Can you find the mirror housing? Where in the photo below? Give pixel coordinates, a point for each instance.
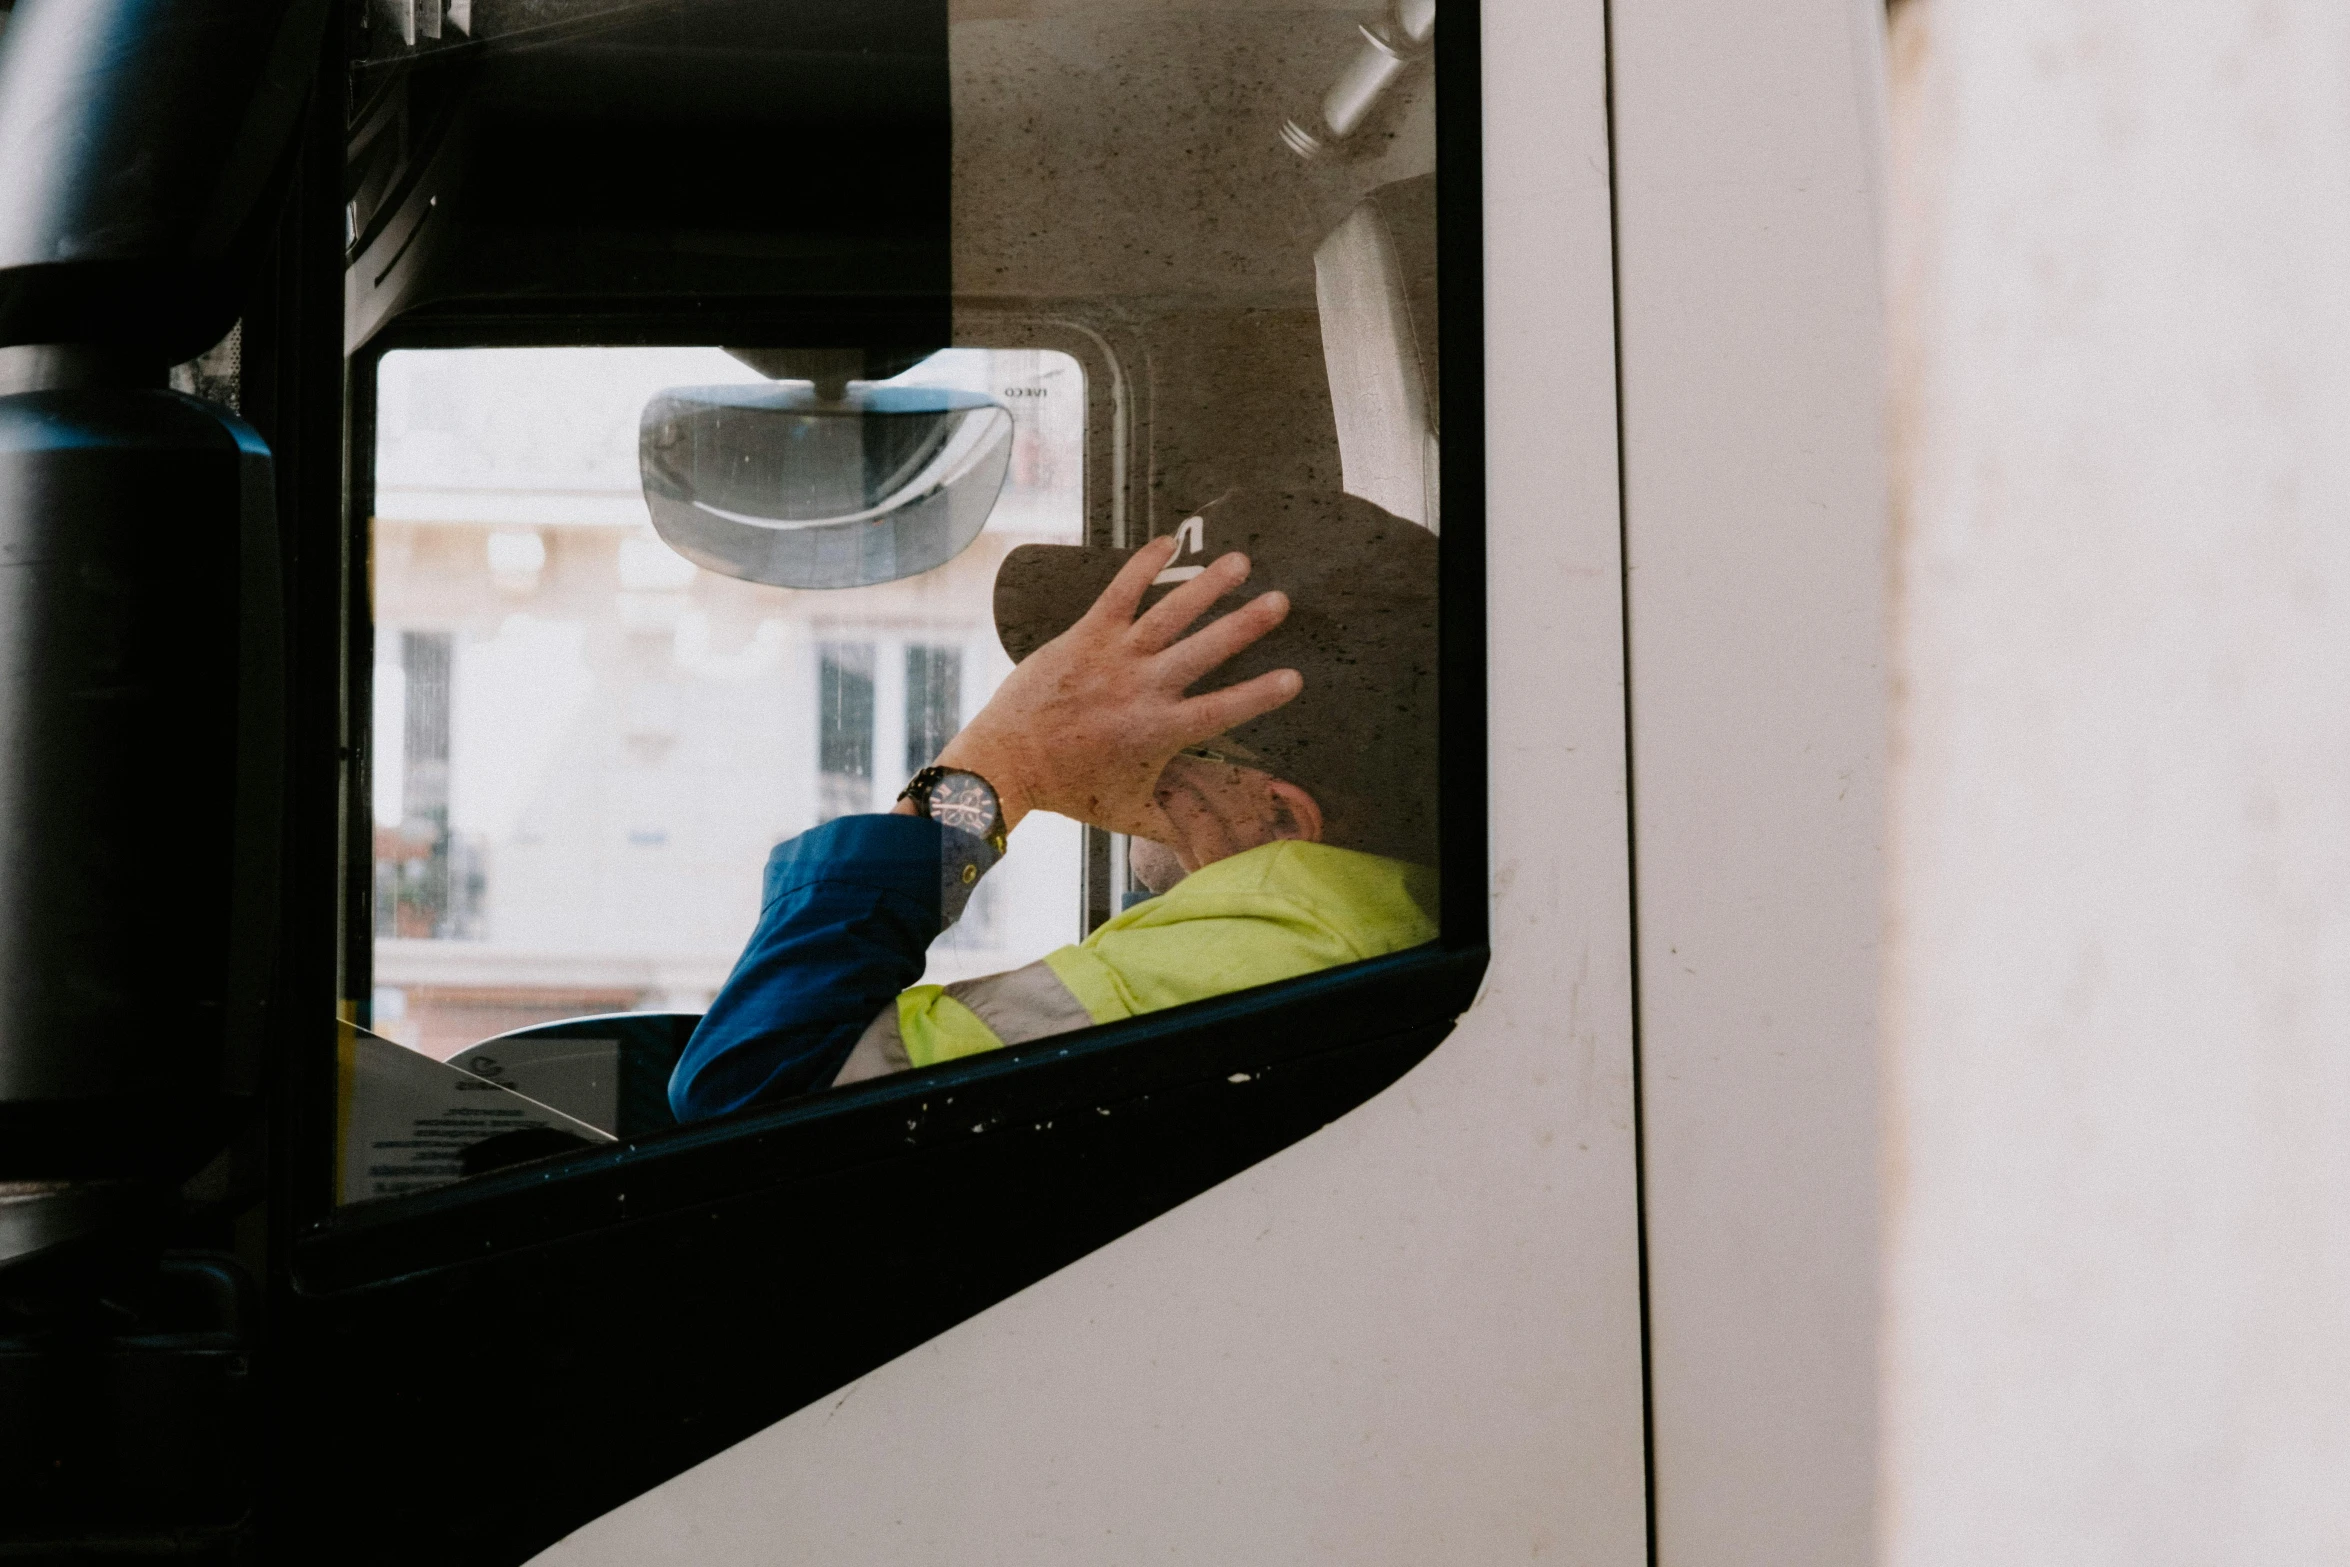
(784, 485)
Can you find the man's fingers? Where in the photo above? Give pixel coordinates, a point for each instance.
(1164, 621)
(1204, 717)
(1124, 594)
(1204, 649)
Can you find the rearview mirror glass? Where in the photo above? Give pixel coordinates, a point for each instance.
(783, 485)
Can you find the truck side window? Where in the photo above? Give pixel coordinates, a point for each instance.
(662, 631)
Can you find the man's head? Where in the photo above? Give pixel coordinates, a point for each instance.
(1216, 808)
(1352, 761)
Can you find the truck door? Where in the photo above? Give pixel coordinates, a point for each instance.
(621, 416)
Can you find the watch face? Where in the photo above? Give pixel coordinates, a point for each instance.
(964, 800)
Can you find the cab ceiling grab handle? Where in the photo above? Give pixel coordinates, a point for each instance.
(1391, 46)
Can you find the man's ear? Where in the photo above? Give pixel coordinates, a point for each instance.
(1296, 816)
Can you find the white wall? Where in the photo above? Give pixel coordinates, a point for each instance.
(1748, 155)
(2119, 1310)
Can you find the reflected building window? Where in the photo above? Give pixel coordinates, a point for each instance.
(934, 702)
(425, 657)
(844, 729)
(428, 882)
(583, 749)
(934, 712)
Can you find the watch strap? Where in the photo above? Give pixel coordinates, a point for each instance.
(962, 859)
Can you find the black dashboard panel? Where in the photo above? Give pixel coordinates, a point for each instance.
(585, 1328)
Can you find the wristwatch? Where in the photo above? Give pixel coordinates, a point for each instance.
(965, 801)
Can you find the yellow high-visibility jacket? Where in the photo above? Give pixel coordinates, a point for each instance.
(1270, 913)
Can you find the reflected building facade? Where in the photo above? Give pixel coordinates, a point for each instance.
(584, 746)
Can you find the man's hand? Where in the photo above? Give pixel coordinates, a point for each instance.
(1085, 724)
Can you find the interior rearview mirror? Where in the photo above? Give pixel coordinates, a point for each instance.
(786, 485)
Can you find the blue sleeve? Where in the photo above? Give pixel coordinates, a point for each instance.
(850, 909)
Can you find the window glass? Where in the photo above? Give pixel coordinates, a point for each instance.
(650, 620)
(585, 746)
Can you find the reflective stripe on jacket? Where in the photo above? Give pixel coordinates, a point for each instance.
(1270, 913)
